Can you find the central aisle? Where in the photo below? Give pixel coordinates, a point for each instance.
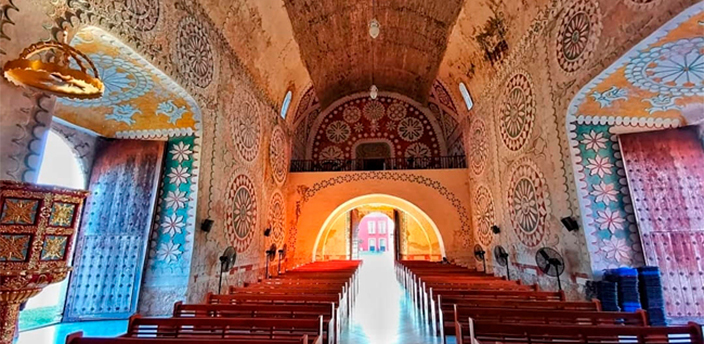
(383, 313)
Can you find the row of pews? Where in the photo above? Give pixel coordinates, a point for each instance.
(482, 308)
(307, 305)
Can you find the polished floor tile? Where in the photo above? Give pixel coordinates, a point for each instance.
(383, 313)
(56, 334)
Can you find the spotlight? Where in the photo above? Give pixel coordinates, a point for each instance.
(495, 229)
(207, 225)
(570, 223)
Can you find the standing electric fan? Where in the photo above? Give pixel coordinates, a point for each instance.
(479, 254)
(282, 255)
(501, 257)
(227, 262)
(271, 255)
(550, 263)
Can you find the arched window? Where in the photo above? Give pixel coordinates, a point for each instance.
(60, 165)
(285, 105)
(467, 98)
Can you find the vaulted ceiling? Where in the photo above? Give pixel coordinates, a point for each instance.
(342, 58)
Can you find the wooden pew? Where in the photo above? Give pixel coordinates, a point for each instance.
(490, 332)
(206, 329)
(285, 311)
(543, 317)
(77, 338)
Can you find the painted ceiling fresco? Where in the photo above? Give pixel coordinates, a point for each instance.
(139, 99)
(659, 78)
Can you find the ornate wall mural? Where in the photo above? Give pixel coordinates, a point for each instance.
(410, 132)
(138, 97)
(241, 210)
(278, 157)
(171, 41)
(566, 44)
(649, 88)
(406, 126)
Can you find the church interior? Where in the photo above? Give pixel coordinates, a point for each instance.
(351, 171)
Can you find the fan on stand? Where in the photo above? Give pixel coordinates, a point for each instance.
(501, 257)
(282, 255)
(227, 262)
(479, 254)
(271, 254)
(550, 263)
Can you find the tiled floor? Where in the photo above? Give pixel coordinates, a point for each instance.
(383, 314)
(56, 334)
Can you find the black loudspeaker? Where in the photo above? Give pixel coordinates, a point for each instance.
(570, 223)
(207, 225)
(495, 229)
(267, 232)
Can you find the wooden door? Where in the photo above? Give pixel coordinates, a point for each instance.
(665, 172)
(112, 241)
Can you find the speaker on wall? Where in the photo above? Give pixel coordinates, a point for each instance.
(267, 232)
(570, 223)
(495, 229)
(207, 225)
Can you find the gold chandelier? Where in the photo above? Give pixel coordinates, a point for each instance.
(47, 67)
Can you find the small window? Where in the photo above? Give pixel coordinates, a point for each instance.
(371, 227)
(372, 244)
(467, 98)
(382, 245)
(285, 105)
(382, 227)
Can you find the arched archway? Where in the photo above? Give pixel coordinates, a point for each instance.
(419, 221)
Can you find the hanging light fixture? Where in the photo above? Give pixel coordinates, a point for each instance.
(55, 68)
(374, 30)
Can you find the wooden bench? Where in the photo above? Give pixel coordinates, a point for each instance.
(286, 311)
(491, 332)
(445, 307)
(227, 328)
(77, 338)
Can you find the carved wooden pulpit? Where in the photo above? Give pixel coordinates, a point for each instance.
(37, 227)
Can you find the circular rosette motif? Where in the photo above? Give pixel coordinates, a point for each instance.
(410, 129)
(241, 213)
(246, 130)
(528, 203)
(277, 154)
(331, 153)
(338, 131)
(351, 114)
(374, 110)
(484, 214)
(675, 68)
(420, 153)
(194, 54)
(142, 14)
(277, 218)
(517, 111)
(123, 81)
(578, 35)
(478, 147)
(397, 111)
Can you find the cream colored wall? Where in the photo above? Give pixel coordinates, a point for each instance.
(419, 239)
(441, 194)
(334, 240)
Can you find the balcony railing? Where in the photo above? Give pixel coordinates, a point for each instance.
(441, 162)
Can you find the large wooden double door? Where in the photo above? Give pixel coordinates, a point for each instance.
(665, 172)
(113, 238)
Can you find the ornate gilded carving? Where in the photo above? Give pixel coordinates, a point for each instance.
(36, 227)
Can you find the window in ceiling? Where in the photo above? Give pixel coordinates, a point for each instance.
(467, 98)
(285, 105)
